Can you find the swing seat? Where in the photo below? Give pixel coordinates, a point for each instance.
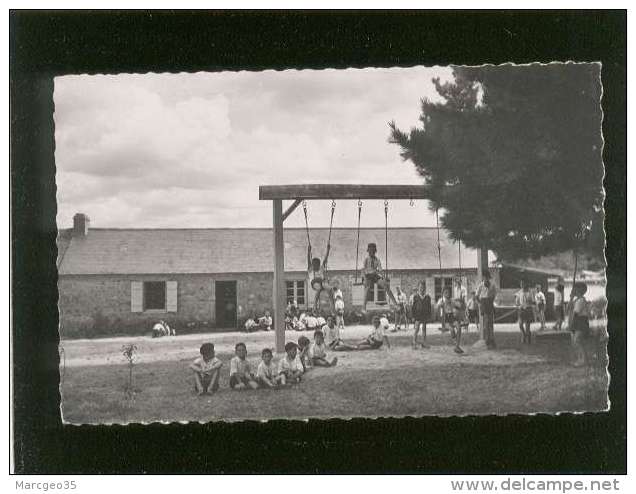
(317, 283)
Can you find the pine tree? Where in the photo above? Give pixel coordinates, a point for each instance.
(514, 157)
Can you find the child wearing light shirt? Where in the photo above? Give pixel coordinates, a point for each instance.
(318, 351)
(525, 302)
(290, 370)
(559, 313)
(376, 339)
(539, 298)
(207, 369)
(267, 374)
(241, 375)
(339, 306)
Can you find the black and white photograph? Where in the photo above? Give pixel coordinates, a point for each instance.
(338, 243)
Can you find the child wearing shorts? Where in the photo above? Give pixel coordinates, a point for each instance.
(339, 306)
(241, 375)
(266, 373)
(318, 351)
(207, 369)
(290, 370)
(376, 339)
(524, 302)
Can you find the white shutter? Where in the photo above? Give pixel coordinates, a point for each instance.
(171, 296)
(357, 295)
(430, 287)
(136, 296)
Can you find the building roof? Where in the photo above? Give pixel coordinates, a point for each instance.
(245, 250)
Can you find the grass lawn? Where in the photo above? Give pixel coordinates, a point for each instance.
(396, 382)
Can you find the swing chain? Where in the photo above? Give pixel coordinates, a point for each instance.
(333, 204)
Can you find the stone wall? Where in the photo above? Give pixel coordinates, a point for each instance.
(99, 305)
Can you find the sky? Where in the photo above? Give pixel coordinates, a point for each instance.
(190, 150)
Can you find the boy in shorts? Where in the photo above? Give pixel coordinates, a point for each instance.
(376, 339)
(290, 370)
(318, 351)
(266, 373)
(241, 375)
(207, 369)
(524, 302)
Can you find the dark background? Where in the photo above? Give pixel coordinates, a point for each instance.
(46, 44)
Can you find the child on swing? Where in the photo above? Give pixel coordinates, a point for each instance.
(372, 269)
(317, 274)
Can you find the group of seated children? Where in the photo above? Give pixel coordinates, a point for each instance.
(299, 358)
(311, 319)
(254, 323)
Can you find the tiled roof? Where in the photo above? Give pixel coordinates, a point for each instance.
(162, 251)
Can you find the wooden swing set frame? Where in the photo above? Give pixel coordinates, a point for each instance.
(301, 192)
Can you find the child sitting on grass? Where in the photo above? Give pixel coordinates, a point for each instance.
(241, 375)
(303, 352)
(265, 322)
(266, 373)
(376, 339)
(290, 370)
(318, 351)
(207, 369)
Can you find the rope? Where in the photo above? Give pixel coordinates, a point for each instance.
(333, 210)
(306, 223)
(358, 239)
(386, 239)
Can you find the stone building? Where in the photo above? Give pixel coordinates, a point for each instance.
(121, 281)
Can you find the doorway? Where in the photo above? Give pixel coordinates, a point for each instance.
(225, 305)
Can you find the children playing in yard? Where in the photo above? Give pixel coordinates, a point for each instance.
(266, 373)
(241, 375)
(207, 369)
(290, 369)
(421, 314)
(318, 351)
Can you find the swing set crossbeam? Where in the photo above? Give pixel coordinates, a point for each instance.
(342, 191)
(301, 192)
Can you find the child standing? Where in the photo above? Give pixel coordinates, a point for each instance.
(539, 299)
(401, 311)
(207, 369)
(524, 303)
(339, 306)
(241, 375)
(318, 351)
(451, 314)
(472, 310)
(290, 369)
(559, 313)
(266, 372)
(486, 293)
(421, 313)
(580, 324)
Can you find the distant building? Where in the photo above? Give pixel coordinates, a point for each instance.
(114, 281)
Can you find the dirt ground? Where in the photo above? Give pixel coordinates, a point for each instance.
(399, 381)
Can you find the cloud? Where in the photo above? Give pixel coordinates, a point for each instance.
(190, 150)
